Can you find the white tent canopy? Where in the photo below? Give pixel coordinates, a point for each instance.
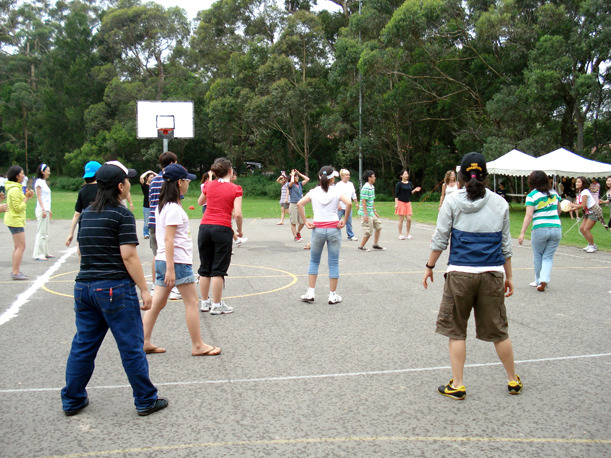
(561, 162)
(515, 163)
(565, 163)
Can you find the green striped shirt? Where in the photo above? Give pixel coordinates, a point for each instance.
(368, 193)
(546, 208)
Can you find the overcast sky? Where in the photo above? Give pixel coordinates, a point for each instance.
(194, 6)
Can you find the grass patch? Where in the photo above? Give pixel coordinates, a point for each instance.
(259, 207)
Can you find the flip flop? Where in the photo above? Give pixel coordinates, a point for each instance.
(154, 350)
(214, 351)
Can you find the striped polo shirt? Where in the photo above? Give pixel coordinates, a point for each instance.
(545, 208)
(154, 190)
(100, 237)
(368, 193)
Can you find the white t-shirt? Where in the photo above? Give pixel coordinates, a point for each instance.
(586, 192)
(324, 204)
(346, 189)
(45, 195)
(172, 214)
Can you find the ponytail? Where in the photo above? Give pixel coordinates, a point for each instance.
(326, 174)
(475, 183)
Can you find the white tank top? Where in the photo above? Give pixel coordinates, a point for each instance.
(451, 189)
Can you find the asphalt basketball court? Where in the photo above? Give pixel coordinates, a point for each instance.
(353, 379)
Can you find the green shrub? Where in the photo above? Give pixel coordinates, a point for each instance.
(66, 183)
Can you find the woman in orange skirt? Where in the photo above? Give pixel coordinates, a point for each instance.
(403, 203)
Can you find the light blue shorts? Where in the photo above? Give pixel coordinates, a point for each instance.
(184, 273)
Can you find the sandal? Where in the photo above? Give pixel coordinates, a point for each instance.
(378, 247)
(214, 351)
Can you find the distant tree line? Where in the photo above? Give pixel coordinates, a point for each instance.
(280, 85)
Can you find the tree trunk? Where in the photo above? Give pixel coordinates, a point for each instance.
(161, 76)
(579, 122)
(25, 135)
(306, 148)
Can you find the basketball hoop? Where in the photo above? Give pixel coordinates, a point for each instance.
(165, 133)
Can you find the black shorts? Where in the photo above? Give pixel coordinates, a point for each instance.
(214, 243)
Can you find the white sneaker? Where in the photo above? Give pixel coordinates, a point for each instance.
(585, 248)
(220, 309)
(354, 239)
(401, 237)
(204, 305)
(175, 295)
(409, 237)
(534, 284)
(334, 298)
(308, 297)
(592, 249)
(240, 240)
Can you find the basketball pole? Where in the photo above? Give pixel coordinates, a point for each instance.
(165, 145)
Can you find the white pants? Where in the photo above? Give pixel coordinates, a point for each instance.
(40, 247)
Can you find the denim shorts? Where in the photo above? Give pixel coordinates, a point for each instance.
(16, 230)
(184, 273)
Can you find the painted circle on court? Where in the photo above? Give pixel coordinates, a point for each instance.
(278, 273)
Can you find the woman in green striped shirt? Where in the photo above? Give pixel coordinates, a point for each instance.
(542, 209)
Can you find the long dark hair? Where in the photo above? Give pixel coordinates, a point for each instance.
(170, 192)
(474, 184)
(13, 172)
(323, 177)
(538, 180)
(106, 197)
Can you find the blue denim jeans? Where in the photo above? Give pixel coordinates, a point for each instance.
(146, 211)
(333, 237)
(544, 240)
(97, 310)
(349, 232)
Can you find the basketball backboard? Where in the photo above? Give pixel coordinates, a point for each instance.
(154, 115)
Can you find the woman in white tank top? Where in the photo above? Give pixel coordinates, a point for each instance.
(449, 186)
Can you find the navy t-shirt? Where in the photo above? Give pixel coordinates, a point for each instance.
(100, 237)
(403, 191)
(86, 195)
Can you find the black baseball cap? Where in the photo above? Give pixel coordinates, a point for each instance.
(112, 173)
(175, 172)
(473, 164)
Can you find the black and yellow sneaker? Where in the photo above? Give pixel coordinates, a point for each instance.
(451, 392)
(515, 387)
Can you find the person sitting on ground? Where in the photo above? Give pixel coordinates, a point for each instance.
(477, 222)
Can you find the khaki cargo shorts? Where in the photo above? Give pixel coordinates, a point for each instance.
(373, 224)
(484, 293)
(294, 216)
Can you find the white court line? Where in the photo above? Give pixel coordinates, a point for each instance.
(24, 297)
(311, 377)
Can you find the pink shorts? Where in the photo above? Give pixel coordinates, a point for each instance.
(404, 208)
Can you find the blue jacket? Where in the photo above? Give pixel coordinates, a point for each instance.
(478, 230)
